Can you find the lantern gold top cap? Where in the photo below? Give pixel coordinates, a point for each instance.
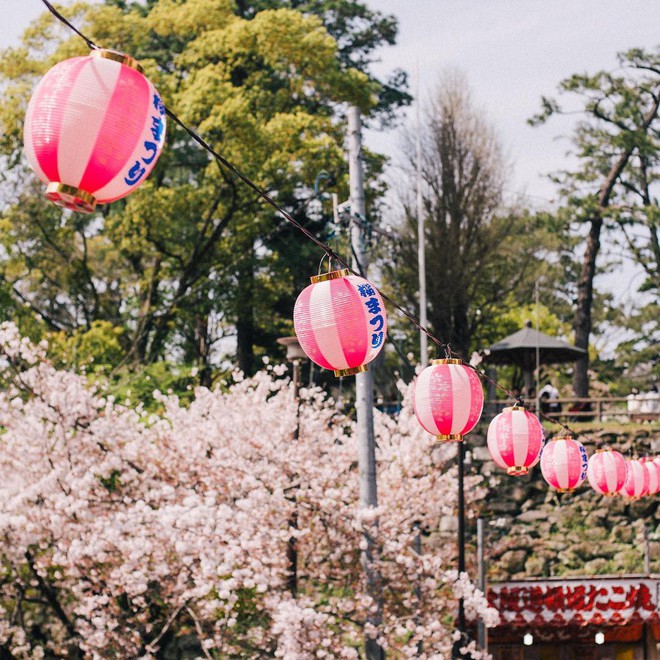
(117, 56)
(447, 361)
(332, 275)
(514, 408)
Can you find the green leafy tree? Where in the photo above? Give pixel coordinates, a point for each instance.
(193, 256)
(617, 145)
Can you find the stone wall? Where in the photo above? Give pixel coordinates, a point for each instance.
(534, 531)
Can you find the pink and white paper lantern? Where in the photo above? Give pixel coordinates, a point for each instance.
(607, 471)
(653, 469)
(448, 399)
(515, 440)
(94, 129)
(564, 463)
(637, 480)
(340, 322)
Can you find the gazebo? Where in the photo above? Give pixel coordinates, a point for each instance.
(528, 349)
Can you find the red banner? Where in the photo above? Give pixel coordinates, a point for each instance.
(554, 603)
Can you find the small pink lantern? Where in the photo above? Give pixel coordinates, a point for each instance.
(340, 322)
(448, 399)
(607, 471)
(637, 480)
(94, 129)
(515, 440)
(564, 463)
(653, 469)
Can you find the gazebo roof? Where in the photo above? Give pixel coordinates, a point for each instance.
(520, 348)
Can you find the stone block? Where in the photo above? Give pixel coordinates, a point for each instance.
(513, 561)
(531, 516)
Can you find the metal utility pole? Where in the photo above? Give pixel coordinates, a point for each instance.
(421, 241)
(364, 389)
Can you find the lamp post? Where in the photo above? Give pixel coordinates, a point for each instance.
(295, 355)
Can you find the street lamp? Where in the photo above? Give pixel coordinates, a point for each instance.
(456, 653)
(295, 355)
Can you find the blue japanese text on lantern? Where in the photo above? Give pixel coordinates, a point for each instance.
(373, 306)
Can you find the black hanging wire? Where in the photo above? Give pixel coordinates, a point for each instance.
(329, 252)
(70, 25)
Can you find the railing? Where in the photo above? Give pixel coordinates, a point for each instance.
(584, 409)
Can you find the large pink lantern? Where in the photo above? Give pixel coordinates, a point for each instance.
(564, 463)
(448, 399)
(515, 440)
(637, 480)
(94, 129)
(340, 322)
(607, 471)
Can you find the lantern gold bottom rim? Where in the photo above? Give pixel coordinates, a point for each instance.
(70, 197)
(340, 373)
(452, 437)
(564, 490)
(517, 470)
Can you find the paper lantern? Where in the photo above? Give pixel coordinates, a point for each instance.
(94, 129)
(607, 471)
(340, 322)
(564, 463)
(637, 480)
(515, 440)
(653, 469)
(448, 399)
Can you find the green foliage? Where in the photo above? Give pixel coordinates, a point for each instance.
(95, 350)
(192, 256)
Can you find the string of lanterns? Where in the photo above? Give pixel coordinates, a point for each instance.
(94, 129)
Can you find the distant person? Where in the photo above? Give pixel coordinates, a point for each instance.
(634, 401)
(544, 402)
(552, 397)
(650, 402)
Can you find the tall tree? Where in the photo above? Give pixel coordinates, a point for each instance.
(617, 143)
(477, 252)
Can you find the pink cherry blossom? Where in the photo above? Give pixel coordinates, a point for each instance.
(124, 529)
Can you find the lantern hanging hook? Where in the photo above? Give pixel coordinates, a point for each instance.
(327, 256)
(447, 351)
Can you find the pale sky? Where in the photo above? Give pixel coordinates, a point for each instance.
(513, 52)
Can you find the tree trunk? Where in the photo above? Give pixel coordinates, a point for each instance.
(582, 322)
(203, 347)
(245, 330)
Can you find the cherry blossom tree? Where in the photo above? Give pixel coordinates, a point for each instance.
(228, 525)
